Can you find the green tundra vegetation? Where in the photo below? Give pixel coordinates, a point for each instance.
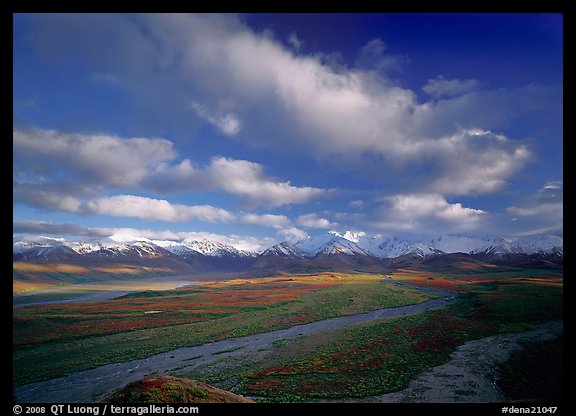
(55, 340)
(368, 359)
(383, 356)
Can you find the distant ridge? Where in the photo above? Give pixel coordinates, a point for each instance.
(332, 251)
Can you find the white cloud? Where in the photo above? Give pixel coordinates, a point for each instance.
(425, 212)
(266, 220)
(247, 179)
(547, 209)
(47, 196)
(101, 158)
(145, 163)
(357, 204)
(227, 123)
(51, 228)
(431, 205)
(314, 221)
(343, 112)
(182, 176)
(288, 100)
(548, 203)
(292, 234)
(294, 41)
(473, 161)
(256, 90)
(440, 87)
(145, 208)
(373, 55)
(155, 209)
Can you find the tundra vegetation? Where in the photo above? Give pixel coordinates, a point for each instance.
(53, 340)
(368, 359)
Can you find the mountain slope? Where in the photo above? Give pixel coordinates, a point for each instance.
(125, 255)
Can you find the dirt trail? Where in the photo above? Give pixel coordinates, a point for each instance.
(89, 385)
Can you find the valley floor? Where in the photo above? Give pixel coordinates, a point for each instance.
(99, 291)
(422, 337)
(90, 385)
(469, 376)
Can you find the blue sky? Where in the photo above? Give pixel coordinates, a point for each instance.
(254, 129)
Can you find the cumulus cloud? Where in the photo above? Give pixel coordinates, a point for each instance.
(314, 221)
(48, 196)
(305, 102)
(57, 229)
(292, 234)
(473, 161)
(141, 163)
(227, 123)
(373, 55)
(357, 204)
(155, 209)
(257, 91)
(440, 87)
(419, 206)
(286, 231)
(547, 202)
(431, 212)
(97, 158)
(294, 41)
(266, 220)
(247, 179)
(489, 109)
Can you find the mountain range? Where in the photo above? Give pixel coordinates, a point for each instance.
(350, 250)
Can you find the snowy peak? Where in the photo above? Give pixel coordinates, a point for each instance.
(499, 246)
(177, 249)
(540, 243)
(390, 247)
(341, 245)
(458, 244)
(352, 244)
(385, 247)
(285, 249)
(331, 244)
(211, 248)
(83, 247)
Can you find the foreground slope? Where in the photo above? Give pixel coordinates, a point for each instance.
(168, 389)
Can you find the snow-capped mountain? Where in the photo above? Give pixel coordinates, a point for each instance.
(176, 248)
(82, 247)
(330, 244)
(499, 246)
(332, 248)
(359, 243)
(460, 244)
(46, 250)
(285, 249)
(211, 248)
(386, 247)
(39, 244)
(540, 243)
